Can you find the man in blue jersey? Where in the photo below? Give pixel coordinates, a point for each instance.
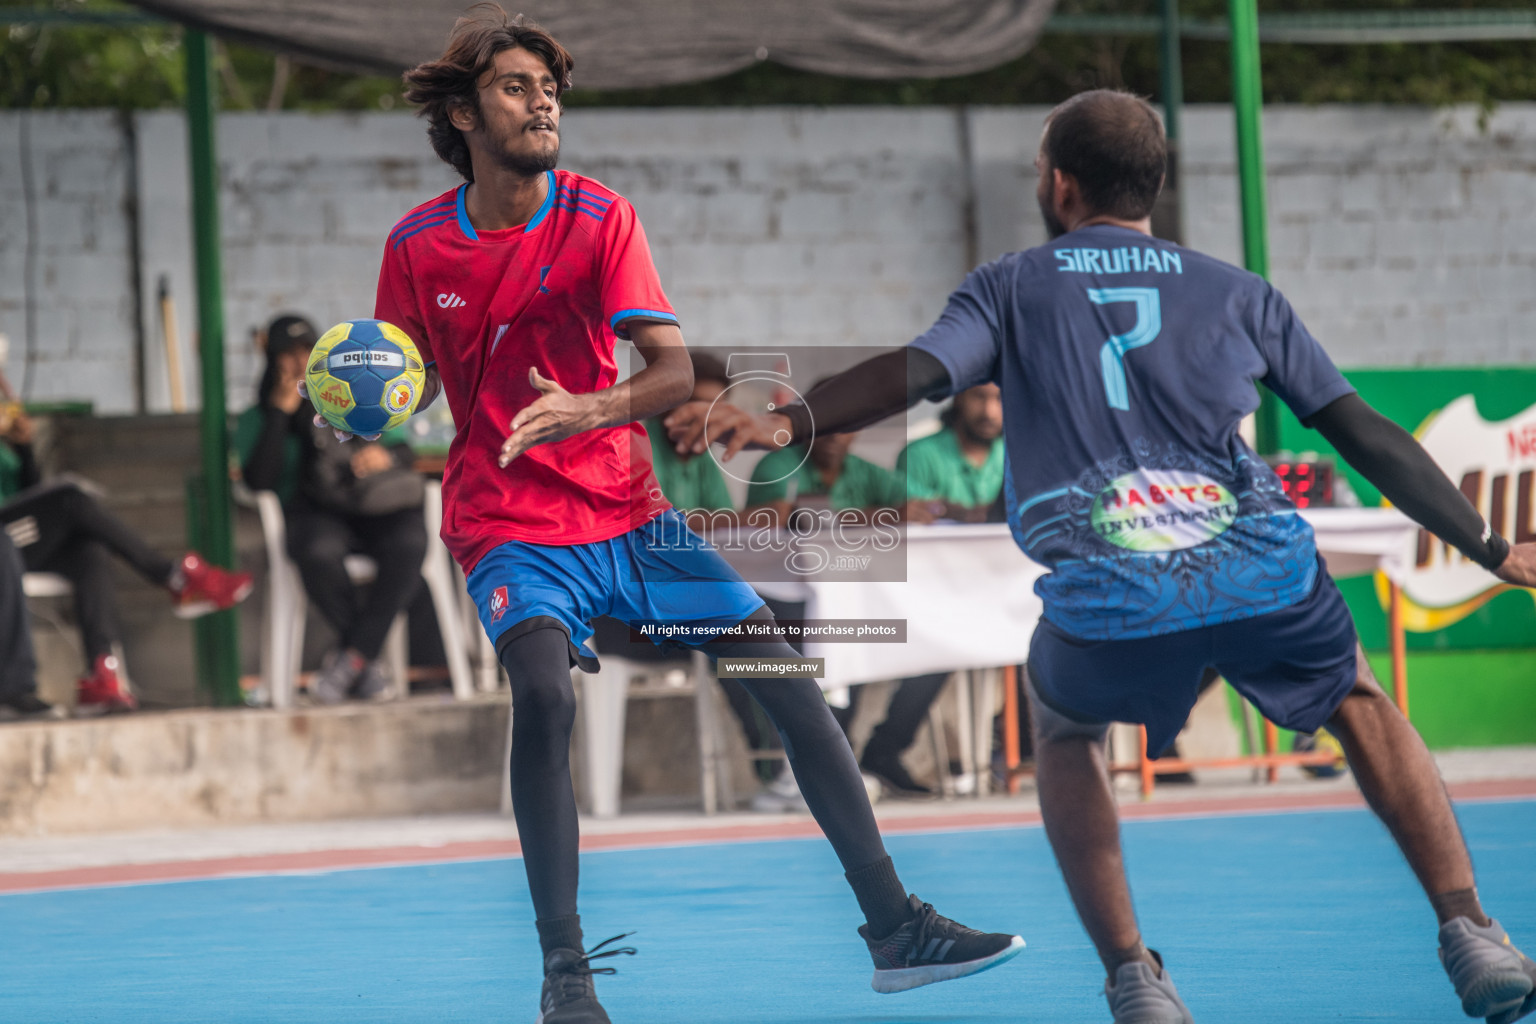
(1170, 543)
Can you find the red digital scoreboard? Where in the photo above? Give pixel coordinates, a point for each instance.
(1307, 482)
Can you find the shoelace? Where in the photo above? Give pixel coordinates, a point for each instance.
(575, 979)
(593, 954)
(922, 924)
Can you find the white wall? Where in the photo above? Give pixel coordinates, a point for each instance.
(65, 185)
(1405, 236)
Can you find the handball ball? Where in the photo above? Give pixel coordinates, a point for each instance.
(365, 376)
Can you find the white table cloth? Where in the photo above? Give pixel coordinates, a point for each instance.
(969, 599)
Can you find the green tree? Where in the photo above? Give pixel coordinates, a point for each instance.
(140, 65)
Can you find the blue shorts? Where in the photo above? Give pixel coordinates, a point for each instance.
(661, 578)
(1296, 665)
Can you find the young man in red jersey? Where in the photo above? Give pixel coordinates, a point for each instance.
(515, 286)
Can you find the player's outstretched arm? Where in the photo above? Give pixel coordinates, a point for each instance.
(557, 413)
(864, 394)
(1399, 467)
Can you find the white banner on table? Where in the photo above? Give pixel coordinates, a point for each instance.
(969, 597)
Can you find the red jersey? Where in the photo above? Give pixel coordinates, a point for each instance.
(487, 305)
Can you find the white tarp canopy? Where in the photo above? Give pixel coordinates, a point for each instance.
(637, 43)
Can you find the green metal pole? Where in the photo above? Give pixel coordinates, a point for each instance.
(1172, 69)
(219, 639)
(1248, 104)
(1170, 224)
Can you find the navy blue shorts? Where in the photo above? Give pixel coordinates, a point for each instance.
(661, 578)
(1296, 665)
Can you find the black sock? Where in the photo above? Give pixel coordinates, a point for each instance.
(881, 896)
(560, 933)
(1460, 903)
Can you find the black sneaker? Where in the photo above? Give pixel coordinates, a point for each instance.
(24, 707)
(890, 771)
(568, 996)
(931, 948)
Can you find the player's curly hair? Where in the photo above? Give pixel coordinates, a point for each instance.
(1112, 142)
(440, 86)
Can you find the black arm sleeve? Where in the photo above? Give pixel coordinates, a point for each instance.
(868, 393)
(1399, 467)
(263, 469)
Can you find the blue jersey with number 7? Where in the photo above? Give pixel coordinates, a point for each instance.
(1126, 365)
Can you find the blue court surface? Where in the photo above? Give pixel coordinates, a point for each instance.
(1274, 918)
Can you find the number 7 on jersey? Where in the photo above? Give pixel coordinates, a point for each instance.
(1149, 321)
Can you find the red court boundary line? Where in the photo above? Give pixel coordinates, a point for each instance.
(317, 861)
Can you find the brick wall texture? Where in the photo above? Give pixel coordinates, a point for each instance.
(1404, 236)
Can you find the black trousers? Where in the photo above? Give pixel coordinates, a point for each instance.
(18, 664)
(903, 717)
(319, 542)
(59, 528)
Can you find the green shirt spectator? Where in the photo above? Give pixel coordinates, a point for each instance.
(860, 484)
(936, 467)
(692, 483)
(958, 472)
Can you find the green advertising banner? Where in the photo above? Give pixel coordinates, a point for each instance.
(1480, 426)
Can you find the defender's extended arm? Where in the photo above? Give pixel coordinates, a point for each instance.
(867, 393)
(1399, 467)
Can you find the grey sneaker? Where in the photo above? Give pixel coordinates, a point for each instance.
(781, 795)
(373, 683)
(1140, 995)
(1493, 978)
(337, 673)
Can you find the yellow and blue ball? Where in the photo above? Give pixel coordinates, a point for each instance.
(365, 376)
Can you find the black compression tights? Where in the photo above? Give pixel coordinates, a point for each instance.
(544, 802)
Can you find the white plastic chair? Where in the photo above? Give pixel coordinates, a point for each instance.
(482, 655)
(604, 706)
(46, 584)
(287, 605)
(52, 585)
(975, 697)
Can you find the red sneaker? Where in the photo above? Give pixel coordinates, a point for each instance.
(105, 690)
(207, 588)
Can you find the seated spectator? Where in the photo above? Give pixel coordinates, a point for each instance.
(956, 473)
(58, 527)
(339, 497)
(18, 665)
(828, 477)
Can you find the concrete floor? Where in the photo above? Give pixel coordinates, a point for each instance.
(1471, 774)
